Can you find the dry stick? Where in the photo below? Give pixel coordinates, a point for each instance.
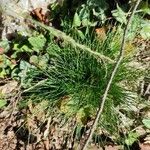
(58, 34)
(120, 57)
(71, 41)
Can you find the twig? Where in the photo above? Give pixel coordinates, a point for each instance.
(102, 102)
(34, 86)
(71, 41)
(11, 12)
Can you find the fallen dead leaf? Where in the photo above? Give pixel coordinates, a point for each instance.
(145, 146)
(1, 51)
(112, 147)
(140, 130)
(101, 33)
(147, 140)
(38, 14)
(8, 87)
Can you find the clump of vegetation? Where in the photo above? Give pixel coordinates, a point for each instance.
(70, 79)
(74, 80)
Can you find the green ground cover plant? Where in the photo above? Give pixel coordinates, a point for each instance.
(72, 80)
(71, 72)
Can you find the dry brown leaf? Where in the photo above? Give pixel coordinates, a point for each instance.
(8, 87)
(101, 33)
(147, 140)
(39, 15)
(145, 146)
(1, 51)
(113, 147)
(140, 130)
